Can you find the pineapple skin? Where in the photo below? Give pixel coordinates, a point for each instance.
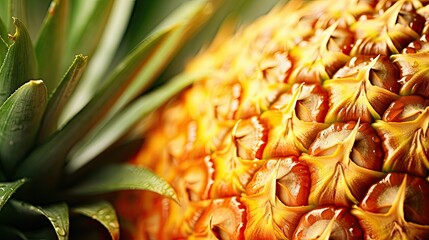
(313, 124)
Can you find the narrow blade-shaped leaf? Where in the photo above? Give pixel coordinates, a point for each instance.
(104, 54)
(86, 17)
(50, 43)
(11, 233)
(19, 65)
(10, 9)
(3, 49)
(57, 214)
(3, 31)
(122, 122)
(61, 95)
(20, 117)
(7, 189)
(102, 212)
(116, 177)
(56, 149)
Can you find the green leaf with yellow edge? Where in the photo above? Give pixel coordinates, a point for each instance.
(102, 212)
(20, 117)
(57, 214)
(19, 65)
(122, 122)
(61, 96)
(7, 189)
(50, 43)
(50, 154)
(87, 22)
(116, 177)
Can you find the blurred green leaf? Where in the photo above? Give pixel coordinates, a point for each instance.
(102, 212)
(116, 177)
(52, 154)
(19, 65)
(61, 95)
(50, 43)
(122, 122)
(7, 189)
(104, 54)
(87, 22)
(57, 214)
(12, 9)
(3, 49)
(11, 233)
(20, 117)
(3, 31)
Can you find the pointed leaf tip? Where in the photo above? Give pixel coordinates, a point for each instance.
(116, 177)
(20, 117)
(19, 64)
(102, 212)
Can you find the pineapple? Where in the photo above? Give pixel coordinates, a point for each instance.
(66, 126)
(310, 123)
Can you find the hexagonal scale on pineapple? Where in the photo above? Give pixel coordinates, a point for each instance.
(222, 219)
(414, 71)
(357, 97)
(405, 143)
(387, 33)
(314, 61)
(276, 198)
(288, 135)
(381, 196)
(391, 224)
(344, 161)
(328, 222)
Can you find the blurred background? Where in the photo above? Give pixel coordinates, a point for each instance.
(142, 17)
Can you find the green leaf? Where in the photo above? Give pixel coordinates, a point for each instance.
(105, 52)
(10, 9)
(52, 154)
(122, 122)
(102, 212)
(7, 189)
(87, 22)
(57, 214)
(19, 65)
(50, 43)
(20, 117)
(11, 233)
(3, 31)
(116, 177)
(3, 49)
(61, 95)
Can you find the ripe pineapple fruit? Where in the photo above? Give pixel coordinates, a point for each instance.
(311, 123)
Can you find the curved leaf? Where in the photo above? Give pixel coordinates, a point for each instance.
(61, 96)
(20, 117)
(116, 177)
(104, 213)
(10, 9)
(19, 65)
(50, 43)
(122, 122)
(7, 189)
(52, 153)
(11, 233)
(105, 52)
(57, 214)
(86, 17)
